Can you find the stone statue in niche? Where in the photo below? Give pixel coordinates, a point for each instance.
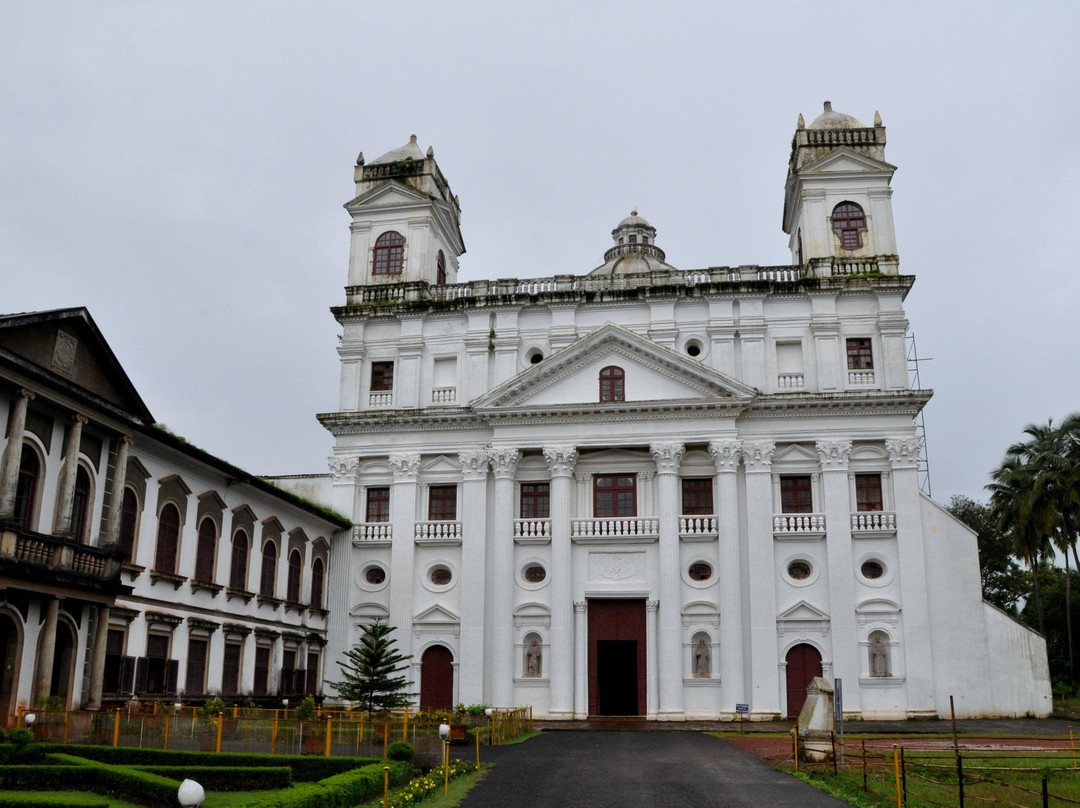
(879, 656)
(702, 660)
(533, 658)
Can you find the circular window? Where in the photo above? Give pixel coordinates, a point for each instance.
(534, 574)
(375, 575)
(440, 576)
(799, 570)
(872, 569)
(693, 348)
(700, 571)
(536, 358)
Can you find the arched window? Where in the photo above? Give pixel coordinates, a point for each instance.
(296, 565)
(612, 386)
(238, 567)
(27, 488)
(849, 222)
(269, 570)
(440, 268)
(389, 254)
(168, 539)
(317, 575)
(80, 506)
(205, 551)
(129, 523)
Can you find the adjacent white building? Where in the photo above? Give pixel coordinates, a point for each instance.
(642, 490)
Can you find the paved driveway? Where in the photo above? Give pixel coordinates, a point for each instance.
(634, 769)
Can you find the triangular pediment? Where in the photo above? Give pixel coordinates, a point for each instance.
(802, 611)
(390, 194)
(843, 161)
(436, 616)
(652, 374)
(64, 348)
(441, 465)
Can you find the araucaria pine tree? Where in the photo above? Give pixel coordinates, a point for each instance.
(370, 669)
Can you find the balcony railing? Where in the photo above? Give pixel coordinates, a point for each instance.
(532, 529)
(380, 399)
(444, 395)
(798, 524)
(618, 528)
(438, 531)
(862, 378)
(790, 381)
(99, 567)
(690, 526)
(372, 531)
(873, 522)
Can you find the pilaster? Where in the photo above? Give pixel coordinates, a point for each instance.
(561, 461)
(668, 457)
(733, 653)
(474, 471)
(406, 469)
(500, 653)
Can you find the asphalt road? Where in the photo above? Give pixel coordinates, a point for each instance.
(595, 769)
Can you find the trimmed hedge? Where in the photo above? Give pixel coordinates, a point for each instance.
(43, 778)
(21, 754)
(305, 768)
(340, 791)
(227, 778)
(55, 799)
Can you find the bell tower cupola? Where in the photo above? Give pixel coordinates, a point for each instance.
(405, 221)
(838, 199)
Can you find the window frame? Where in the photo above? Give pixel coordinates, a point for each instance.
(442, 503)
(388, 254)
(27, 488)
(860, 353)
(238, 561)
(796, 493)
(128, 534)
(205, 551)
(379, 496)
(440, 268)
(82, 501)
(612, 380)
(869, 490)
(161, 553)
(382, 376)
(294, 577)
(534, 500)
(268, 569)
(849, 224)
(611, 489)
(318, 577)
(699, 499)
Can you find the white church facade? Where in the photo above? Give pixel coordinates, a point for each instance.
(640, 490)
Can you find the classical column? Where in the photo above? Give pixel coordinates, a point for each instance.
(65, 494)
(474, 472)
(652, 661)
(725, 454)
(834, 455)
(9, 463)
(904, 458)
(500, 653)
(339, 563)
(97, 661)
(668, 457)
(561, 460)
(406, 468)
(764, 691)
(116, 504)
(581, 659)
(46, 651)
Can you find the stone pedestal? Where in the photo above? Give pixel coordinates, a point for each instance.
(816, 722)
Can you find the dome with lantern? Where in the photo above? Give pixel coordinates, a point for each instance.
(635, 249)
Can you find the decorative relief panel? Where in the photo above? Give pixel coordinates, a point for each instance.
(617, 567)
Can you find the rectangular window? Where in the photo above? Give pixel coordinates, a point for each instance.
(114, 656)
(442, 503)
(262, 670)
(378, 505)
(382, 376)
(868, 492)
(157, 659)
(230, 669)
(614, 495)
(795, 494)
(288, 673)
(311, 685)
(697, 498)
(535, 500)
(195, 684)
(860, 354)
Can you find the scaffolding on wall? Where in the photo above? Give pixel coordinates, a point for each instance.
(913, 360)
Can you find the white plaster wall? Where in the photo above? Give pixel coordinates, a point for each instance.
(1018, 665)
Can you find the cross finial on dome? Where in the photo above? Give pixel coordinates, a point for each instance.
(828, 106)
(412, 138)
(633, 213)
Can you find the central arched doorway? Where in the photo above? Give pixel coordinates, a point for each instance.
(437, 678)
(803, 664)
(9, 664)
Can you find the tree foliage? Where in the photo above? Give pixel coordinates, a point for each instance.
(1004, 582)
(370, 670)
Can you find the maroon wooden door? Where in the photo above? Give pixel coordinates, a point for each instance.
(437, 678)
(803, 664)
(617, 657)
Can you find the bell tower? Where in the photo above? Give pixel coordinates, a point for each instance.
(405, 221)
(837, 199)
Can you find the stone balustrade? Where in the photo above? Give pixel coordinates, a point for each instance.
(532, 529)
(443, 395)
(372, 531)
(98, 567)
(785, 524)
(634, 527)
(790, 381)
(862, 378)
(697, 526)
(438, 531)
(380, 399)
(873, 521)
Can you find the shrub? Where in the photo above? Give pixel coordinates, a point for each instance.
(21, 737)
(401, 750)
(305, 710)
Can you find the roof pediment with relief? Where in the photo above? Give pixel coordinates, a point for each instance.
(389, 194)
(843, 161)
(802, 611)
(654, 375)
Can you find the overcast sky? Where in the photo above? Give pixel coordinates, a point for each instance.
(179, 168)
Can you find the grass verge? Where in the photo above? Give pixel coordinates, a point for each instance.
(458, 789)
